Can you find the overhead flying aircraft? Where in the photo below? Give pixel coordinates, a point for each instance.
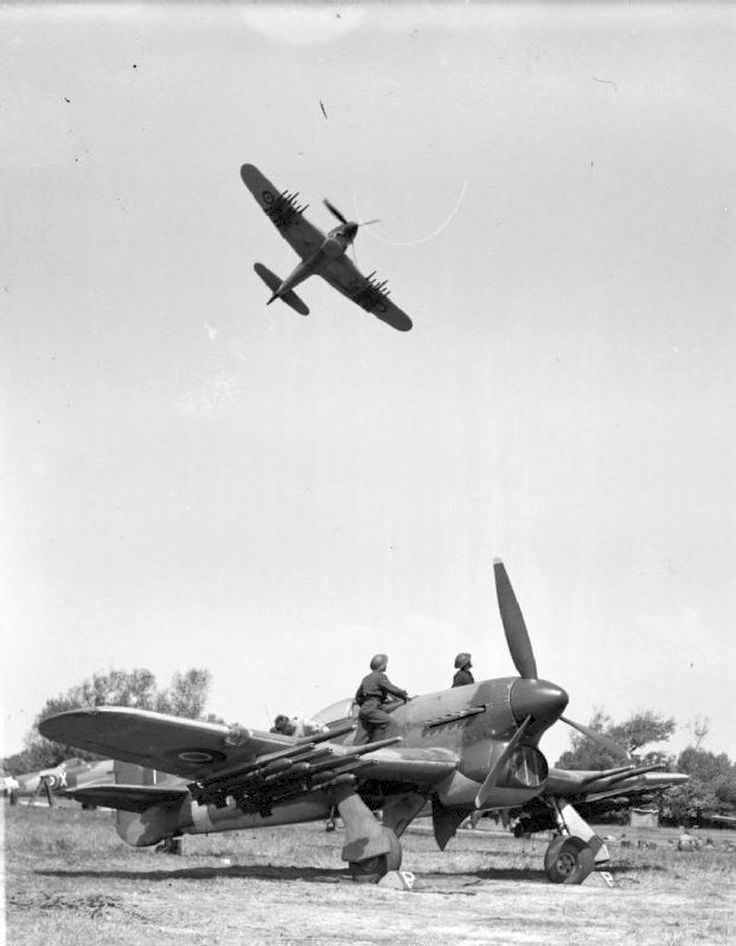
(324, 255)
(469, 749)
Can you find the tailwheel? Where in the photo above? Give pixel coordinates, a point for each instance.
(371, 870)
(568, 860)
(169, 846)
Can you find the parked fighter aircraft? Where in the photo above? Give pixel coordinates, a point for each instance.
(467, 749)
(61, 779)
(324, 255)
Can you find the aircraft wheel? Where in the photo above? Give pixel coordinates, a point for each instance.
(568, 860)
(373, 869)
(169, 846)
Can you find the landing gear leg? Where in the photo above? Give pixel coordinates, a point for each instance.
(570, 858)
(371, 849)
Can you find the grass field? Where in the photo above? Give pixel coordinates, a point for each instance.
(70, 881)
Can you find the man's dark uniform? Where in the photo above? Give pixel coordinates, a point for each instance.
(370, 696)
(462, 678)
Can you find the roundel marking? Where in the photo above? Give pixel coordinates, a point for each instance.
(267, 196)
(195, 756)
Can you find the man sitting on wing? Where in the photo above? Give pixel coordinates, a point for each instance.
(373, 692)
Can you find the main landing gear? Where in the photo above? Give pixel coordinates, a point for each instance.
(371, 849)
(572, 856)
(568, 860)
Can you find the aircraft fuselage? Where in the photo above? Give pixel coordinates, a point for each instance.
(432, 721)
(334, 246)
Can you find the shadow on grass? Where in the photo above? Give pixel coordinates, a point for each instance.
(637, 869)
(323, 875)
(528, 875)
(234, 872)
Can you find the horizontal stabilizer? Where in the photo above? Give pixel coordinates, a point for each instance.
(128, 797)
(273, 282)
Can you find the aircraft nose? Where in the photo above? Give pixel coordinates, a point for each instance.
(545, 702)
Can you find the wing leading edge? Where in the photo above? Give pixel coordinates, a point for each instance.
(344, 276)
(284, 211)
(185, 747)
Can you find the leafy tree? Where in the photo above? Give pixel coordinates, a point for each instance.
(703, 765)
(585, 752)
(700, 727)
(711, 789)
(726, 791)
(186, 696)
(639, 730)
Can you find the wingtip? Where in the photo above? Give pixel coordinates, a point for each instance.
(498, 561)
(246, 171)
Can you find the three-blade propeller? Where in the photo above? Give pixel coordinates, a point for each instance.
(343, 219)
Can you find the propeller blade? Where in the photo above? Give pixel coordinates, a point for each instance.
(493, 776)
(333, 210)
(517, 636)
(49, 796)
(605, 742)
(367, 223)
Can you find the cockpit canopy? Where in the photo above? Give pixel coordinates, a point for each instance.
(343, 709)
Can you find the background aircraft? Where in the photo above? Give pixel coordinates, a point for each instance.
(320, 254)
(61, 779)
(464, 750)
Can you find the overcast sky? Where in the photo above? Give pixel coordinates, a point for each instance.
(190, 478)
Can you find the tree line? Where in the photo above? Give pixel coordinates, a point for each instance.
(711, 789)
(186, 696)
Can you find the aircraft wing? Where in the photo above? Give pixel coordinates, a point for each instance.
(258, 769)
(185, 747)
(292, 774)
(592, 786)
(415, 766)
(344, 276)
(284, 211)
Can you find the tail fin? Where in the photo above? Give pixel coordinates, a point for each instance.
(273, 282)
(154, 819)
